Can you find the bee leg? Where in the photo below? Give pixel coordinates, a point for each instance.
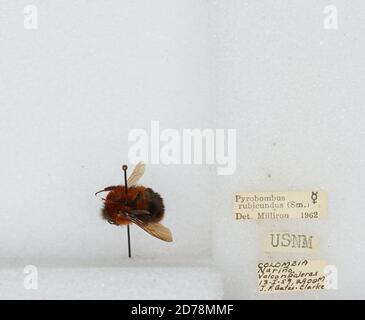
(138, 197)
(140, 213)
(111, 188)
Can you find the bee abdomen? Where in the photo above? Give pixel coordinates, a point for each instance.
(155, 205)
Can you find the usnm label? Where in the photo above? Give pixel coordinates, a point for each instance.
(290, 242)
(307, 205)
(290, 276)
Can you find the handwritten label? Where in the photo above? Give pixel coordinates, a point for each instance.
(290, 242)
(310, 205)
(289, 276)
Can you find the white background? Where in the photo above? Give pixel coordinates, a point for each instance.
(71, 91)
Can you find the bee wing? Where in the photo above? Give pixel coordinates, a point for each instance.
(136, 174)
(154, 229)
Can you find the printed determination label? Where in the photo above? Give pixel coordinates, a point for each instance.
(291, 242)
(310, 205)
(289, 276)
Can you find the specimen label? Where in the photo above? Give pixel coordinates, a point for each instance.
(306, 205)
(290, 242)
(289, 276)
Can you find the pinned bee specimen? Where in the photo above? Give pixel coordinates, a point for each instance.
(136, 204)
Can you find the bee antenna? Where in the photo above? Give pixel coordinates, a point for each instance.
(111, 188)
(96, 193)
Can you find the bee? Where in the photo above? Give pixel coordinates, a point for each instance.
(137, 204)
